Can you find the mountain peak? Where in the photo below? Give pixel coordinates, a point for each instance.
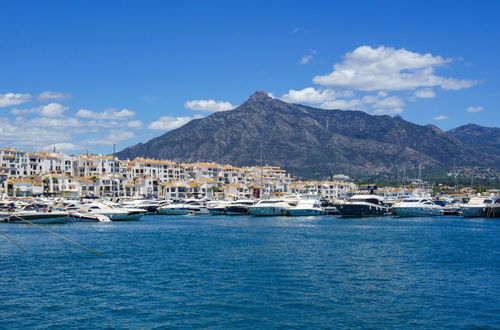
(262, 101)
(260, 96)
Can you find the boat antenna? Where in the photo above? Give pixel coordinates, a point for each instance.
(261, 172)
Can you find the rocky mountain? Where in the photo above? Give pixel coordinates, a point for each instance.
(309, 142)
(485, 138)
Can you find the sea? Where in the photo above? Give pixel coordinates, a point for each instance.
(182, 272)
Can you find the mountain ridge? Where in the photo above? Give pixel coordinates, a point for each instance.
(309, 142)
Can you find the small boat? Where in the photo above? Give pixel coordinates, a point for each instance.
(362, 206)
(306, 207)
(477, 206)
(87, 217)
(417, 207)
(239, 207)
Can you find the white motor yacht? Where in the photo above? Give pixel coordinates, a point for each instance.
(151, 206)
(187, 207)
(37, 215)
(271, 207)
(306, 207)
(133, 213)
(217, 207)
(417, 207)
(115, 214)
(477, 206)
(239, 207)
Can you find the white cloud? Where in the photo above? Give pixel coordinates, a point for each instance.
(51, 122)
(393, 111)
(384, 105)
(305, 59)
(51, 95)
(386, 68)
(353, 104)
(426, 93)
(63, 147)
(13, 99)
(31, 136)
(475, 109)
(440, 117)
(106, 114)
(49, 110)
(390, 102)
(314, 96)
(135, 124)
(167, 123)
(113, 137)
(209, 105)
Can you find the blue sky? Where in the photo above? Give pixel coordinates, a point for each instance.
(83, 75)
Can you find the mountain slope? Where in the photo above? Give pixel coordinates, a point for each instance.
(308, 142)
(486, 138)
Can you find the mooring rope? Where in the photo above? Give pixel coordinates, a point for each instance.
(10, 239)
(60, 236)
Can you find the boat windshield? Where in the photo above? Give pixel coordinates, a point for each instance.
(365, 200)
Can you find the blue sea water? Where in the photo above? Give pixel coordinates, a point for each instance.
(244, 272)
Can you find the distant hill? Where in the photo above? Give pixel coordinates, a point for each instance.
(310, 142)
(485, 138)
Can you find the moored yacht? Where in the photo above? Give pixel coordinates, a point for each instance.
(112, 213)
(37, 215)
(218, 207)
(133, 213)
(239, 207)
(271, 207)
(306, 207)
(151, 206)
(363, 205)
(477, 206)
(417, 207)
(187, 207)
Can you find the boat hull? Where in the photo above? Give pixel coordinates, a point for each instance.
(237, 210)
(39, 219)
(474, 211)
(182, 211)
(361, 210)
(216, 211)
(416, 211)
(267, 211)
(305, 212)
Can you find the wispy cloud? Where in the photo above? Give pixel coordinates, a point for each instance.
(307, 58)
(14, 99)
(475, 109)
(106, 114)
(167, 123)
(49, 110)
(51, 95)
(440, 117)
(209, 105)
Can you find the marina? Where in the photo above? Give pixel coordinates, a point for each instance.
(265, 272)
